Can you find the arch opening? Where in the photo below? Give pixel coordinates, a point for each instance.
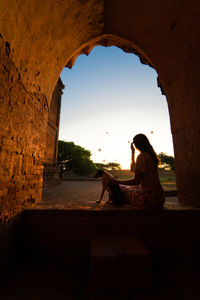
(107, 135)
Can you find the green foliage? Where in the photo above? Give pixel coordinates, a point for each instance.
(100, 165)
(166, 161)
(110, 166)
(113, 166)
(74, 159)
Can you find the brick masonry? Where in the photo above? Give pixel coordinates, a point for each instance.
(23, 118)
(51, 174)
(50, 156)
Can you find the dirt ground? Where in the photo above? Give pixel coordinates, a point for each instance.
(84, 194)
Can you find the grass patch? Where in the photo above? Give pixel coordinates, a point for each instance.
(167, 178)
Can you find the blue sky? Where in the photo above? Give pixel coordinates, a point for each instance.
(109, 97)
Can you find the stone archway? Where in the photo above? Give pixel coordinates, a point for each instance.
(38, 39)
(51, 172)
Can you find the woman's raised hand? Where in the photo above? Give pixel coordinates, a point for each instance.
(132, 147)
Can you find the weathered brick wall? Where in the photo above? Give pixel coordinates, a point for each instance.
(51, 145)
(185, 124)
(54, 113)
(50, 156)
(23, 118)
(30, 63)
(51, 174)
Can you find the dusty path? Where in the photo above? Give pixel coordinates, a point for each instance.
(84, 194)
(74, 194)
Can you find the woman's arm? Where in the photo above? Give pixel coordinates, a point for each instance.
(132, 158)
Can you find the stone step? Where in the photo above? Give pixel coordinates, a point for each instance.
(119, 264)
(51, 175)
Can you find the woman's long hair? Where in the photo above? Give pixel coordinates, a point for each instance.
(142, 143)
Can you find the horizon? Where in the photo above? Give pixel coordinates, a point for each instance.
(110, 162)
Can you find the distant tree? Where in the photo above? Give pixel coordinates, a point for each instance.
(75, 159)
(100, 165)
(109, 166)
(113, 166)
(167, 161)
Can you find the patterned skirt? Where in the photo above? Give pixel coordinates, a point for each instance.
(143, 198)
(137, 196)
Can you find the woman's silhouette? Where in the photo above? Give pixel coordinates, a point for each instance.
(145, 190)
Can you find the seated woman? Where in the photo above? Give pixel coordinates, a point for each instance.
(145, 190)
